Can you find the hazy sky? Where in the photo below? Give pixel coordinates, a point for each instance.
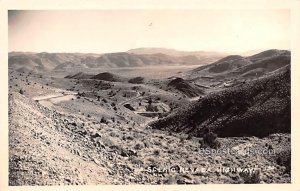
(121, 30)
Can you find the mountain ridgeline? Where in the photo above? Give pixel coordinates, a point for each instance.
(40, 62)
(238, 66)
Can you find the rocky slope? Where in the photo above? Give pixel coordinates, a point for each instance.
(47, 147)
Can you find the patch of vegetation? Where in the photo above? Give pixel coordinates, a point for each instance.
(210, 140)
(156, 152)
(21, 91)
(284, 159)
(251, 178)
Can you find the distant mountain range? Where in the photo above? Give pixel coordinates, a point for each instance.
(29, 61)
(210, 63)
(173, 52)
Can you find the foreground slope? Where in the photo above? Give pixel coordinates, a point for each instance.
(257, 108)
(45, 150)
(47, 147)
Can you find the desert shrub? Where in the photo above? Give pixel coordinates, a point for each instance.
(171, 151)
(134, 160)
(209, 139)
(284, 159)
(113, 119)
(156, 152)
(251, 178)
(171, 179)
(21, 91)
(103, 120)
(129, 137)
(139, 146)
(190, 160)
(181, 139)
(189, 137)
(146, 143)
(113, 134)
(269, 146)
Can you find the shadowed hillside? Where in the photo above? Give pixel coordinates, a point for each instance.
(184, 87)
(80, 75)
(106, 76)
(258, 108)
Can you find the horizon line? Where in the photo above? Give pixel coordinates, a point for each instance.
(127, 51)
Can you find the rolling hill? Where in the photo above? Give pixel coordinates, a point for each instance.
(80, 75)
(252, 66)
(38, 62)
(106, 76)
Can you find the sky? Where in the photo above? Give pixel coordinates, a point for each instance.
(102, 31)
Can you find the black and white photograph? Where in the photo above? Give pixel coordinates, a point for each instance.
(149, 96)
